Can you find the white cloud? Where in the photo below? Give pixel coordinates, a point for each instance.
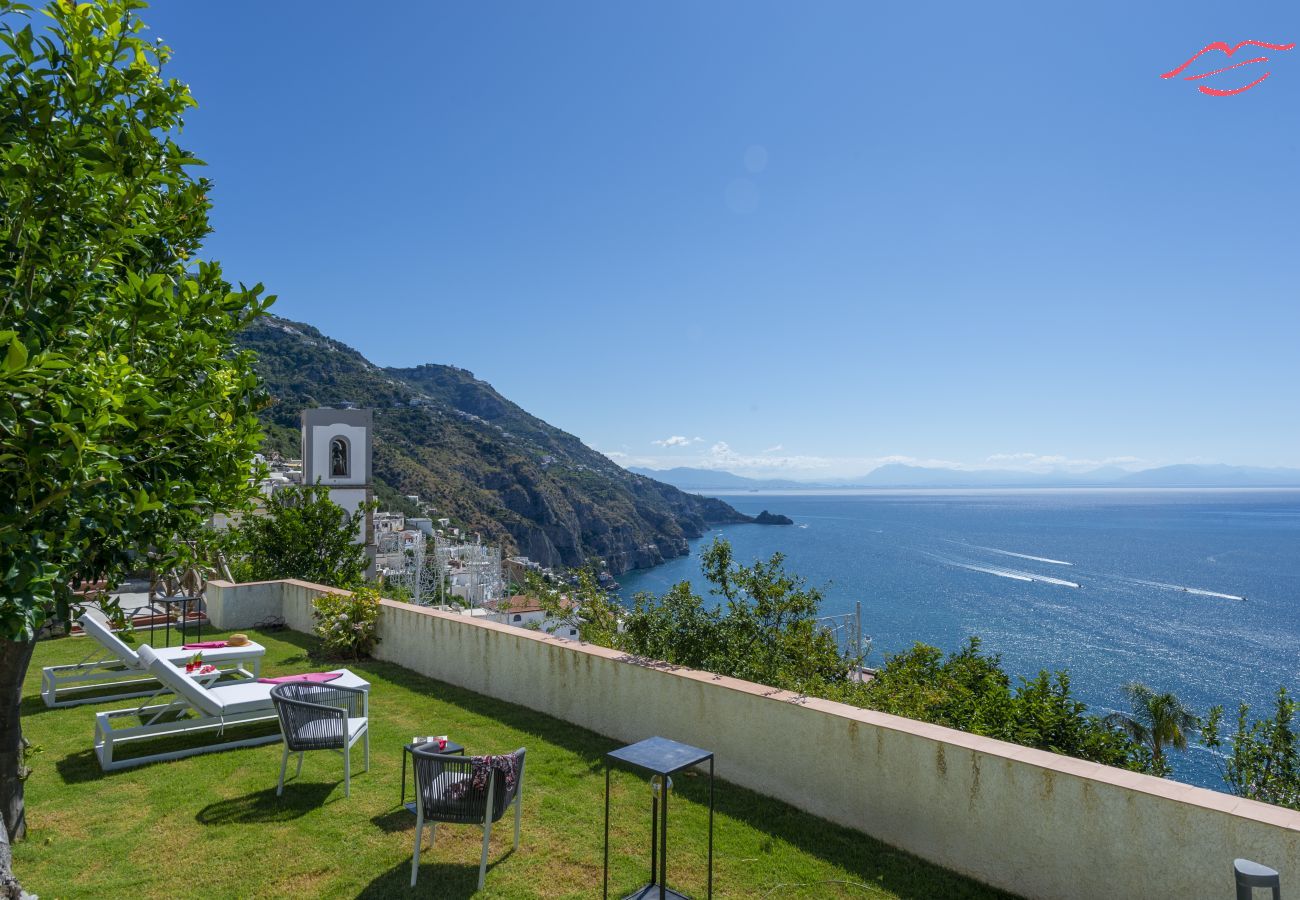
(677, 440)
(1038, 462)
(774, 449)
(924, 462)
(722, 456)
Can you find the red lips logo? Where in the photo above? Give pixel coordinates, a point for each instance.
(1227, 51)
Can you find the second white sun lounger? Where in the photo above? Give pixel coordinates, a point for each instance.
(118, 667)
(195, 708)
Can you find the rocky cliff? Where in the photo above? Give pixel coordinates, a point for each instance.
(481, 460)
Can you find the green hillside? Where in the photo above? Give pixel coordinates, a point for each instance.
(480, 459)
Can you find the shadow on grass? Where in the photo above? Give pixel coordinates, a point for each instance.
(83, 766)
(437, 879)
(80, 767)
(90, 696)
(395, 820)
(863, 858)
(264, 806)
(35, 706)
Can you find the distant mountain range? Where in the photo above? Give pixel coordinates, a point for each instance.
(899, 475)
(710, 479)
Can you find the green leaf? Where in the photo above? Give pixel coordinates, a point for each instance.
(16, 357)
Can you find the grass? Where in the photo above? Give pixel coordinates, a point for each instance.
(212, 826)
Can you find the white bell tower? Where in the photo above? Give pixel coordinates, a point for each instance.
(336, 453)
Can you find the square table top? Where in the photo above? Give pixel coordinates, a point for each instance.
(660, 755)
(432, 747)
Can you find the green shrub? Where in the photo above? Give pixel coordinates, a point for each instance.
(347, 623)
(969, 690)
(396, 591)
(304, 534)
(762, 627)
(1261, 760)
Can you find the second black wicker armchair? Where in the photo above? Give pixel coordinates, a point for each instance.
(475, 790)
(321, 716)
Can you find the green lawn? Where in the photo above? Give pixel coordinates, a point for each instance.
(211, 825)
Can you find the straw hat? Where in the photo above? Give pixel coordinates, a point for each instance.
(237, 640)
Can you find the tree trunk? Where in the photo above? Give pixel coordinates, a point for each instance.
(14, 658)
(10, 889)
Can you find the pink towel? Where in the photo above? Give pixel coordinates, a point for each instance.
(204, 645)
(309, 676)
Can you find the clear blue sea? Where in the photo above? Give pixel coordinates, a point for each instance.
(926, 567)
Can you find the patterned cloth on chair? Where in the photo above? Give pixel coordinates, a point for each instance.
(481, 768)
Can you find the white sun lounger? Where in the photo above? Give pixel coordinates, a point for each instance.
(195, 708)
(118, 666)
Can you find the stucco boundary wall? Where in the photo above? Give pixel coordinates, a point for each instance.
(1031, 822)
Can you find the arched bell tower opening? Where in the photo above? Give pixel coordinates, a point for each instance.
(336, 452)
(340, 458)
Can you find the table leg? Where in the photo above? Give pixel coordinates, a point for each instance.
(654, 833)
(663, 842)
(710, 893)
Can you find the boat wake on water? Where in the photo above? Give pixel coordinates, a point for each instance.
(1047, 579)
(1200, 592)
(1042, 559)
(1000, 572)
(1006, 573)
(1021, 575)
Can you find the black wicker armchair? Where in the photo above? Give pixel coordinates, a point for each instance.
(321, 716)
(475, 790)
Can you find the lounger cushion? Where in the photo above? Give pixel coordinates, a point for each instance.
(174, 655)
(179, 655)
(224, 699)
(243, 696)
(181, 684)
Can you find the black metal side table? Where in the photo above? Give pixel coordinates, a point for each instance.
(184, 601)
(452, 747)
(661, 758)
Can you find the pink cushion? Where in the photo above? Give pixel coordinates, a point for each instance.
(205, 645)
(307, 676)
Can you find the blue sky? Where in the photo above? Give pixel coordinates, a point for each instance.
(801, 238)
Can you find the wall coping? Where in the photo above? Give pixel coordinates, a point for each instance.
(1067, 765)
(323, 588)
